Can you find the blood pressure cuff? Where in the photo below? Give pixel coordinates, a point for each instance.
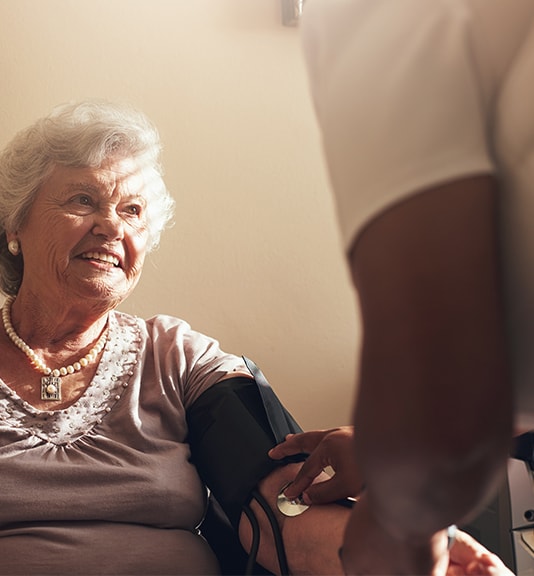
(232, 426)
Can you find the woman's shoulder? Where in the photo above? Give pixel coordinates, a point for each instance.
(165, 330)
(154, 324)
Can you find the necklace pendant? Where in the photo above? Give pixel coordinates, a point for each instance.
(50, 388)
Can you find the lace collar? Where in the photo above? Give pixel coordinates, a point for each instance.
(112, 377)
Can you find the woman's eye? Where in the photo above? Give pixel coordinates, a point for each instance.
(83, 200)
(81, 203)
(133, 209)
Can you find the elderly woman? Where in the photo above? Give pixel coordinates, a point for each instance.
(97, 407)
(96, 472)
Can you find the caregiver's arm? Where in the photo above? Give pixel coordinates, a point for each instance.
(434, 406)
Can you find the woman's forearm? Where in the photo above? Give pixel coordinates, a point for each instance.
(311, 540)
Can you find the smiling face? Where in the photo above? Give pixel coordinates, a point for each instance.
(85, 237)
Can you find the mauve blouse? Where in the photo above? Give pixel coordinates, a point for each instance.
(105, 486)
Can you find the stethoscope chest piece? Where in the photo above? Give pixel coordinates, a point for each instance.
(290, 507)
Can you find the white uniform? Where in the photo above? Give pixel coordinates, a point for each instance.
(412, 93)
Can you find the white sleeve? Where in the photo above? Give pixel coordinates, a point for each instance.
(395, 89)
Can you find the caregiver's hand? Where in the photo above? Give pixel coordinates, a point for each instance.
(469, 558)
(334, 448)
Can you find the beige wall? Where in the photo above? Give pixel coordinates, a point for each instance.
(254, 258)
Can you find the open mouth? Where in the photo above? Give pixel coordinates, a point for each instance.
(101, 257)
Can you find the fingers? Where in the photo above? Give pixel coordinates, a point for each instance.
(465, 547)
(325, 492)
(478, 568)
(305, 442)
(311, 468)
(475, 558)
(326, 448)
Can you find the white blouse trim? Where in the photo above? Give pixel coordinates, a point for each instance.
(62, 427)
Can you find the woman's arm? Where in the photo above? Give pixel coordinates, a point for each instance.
(311, 540)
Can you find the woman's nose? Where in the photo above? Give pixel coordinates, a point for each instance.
(109, 224)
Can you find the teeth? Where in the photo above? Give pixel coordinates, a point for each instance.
(102, 257)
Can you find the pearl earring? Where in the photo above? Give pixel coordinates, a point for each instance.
(14, 247)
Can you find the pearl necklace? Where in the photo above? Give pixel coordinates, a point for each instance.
(51, 381)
